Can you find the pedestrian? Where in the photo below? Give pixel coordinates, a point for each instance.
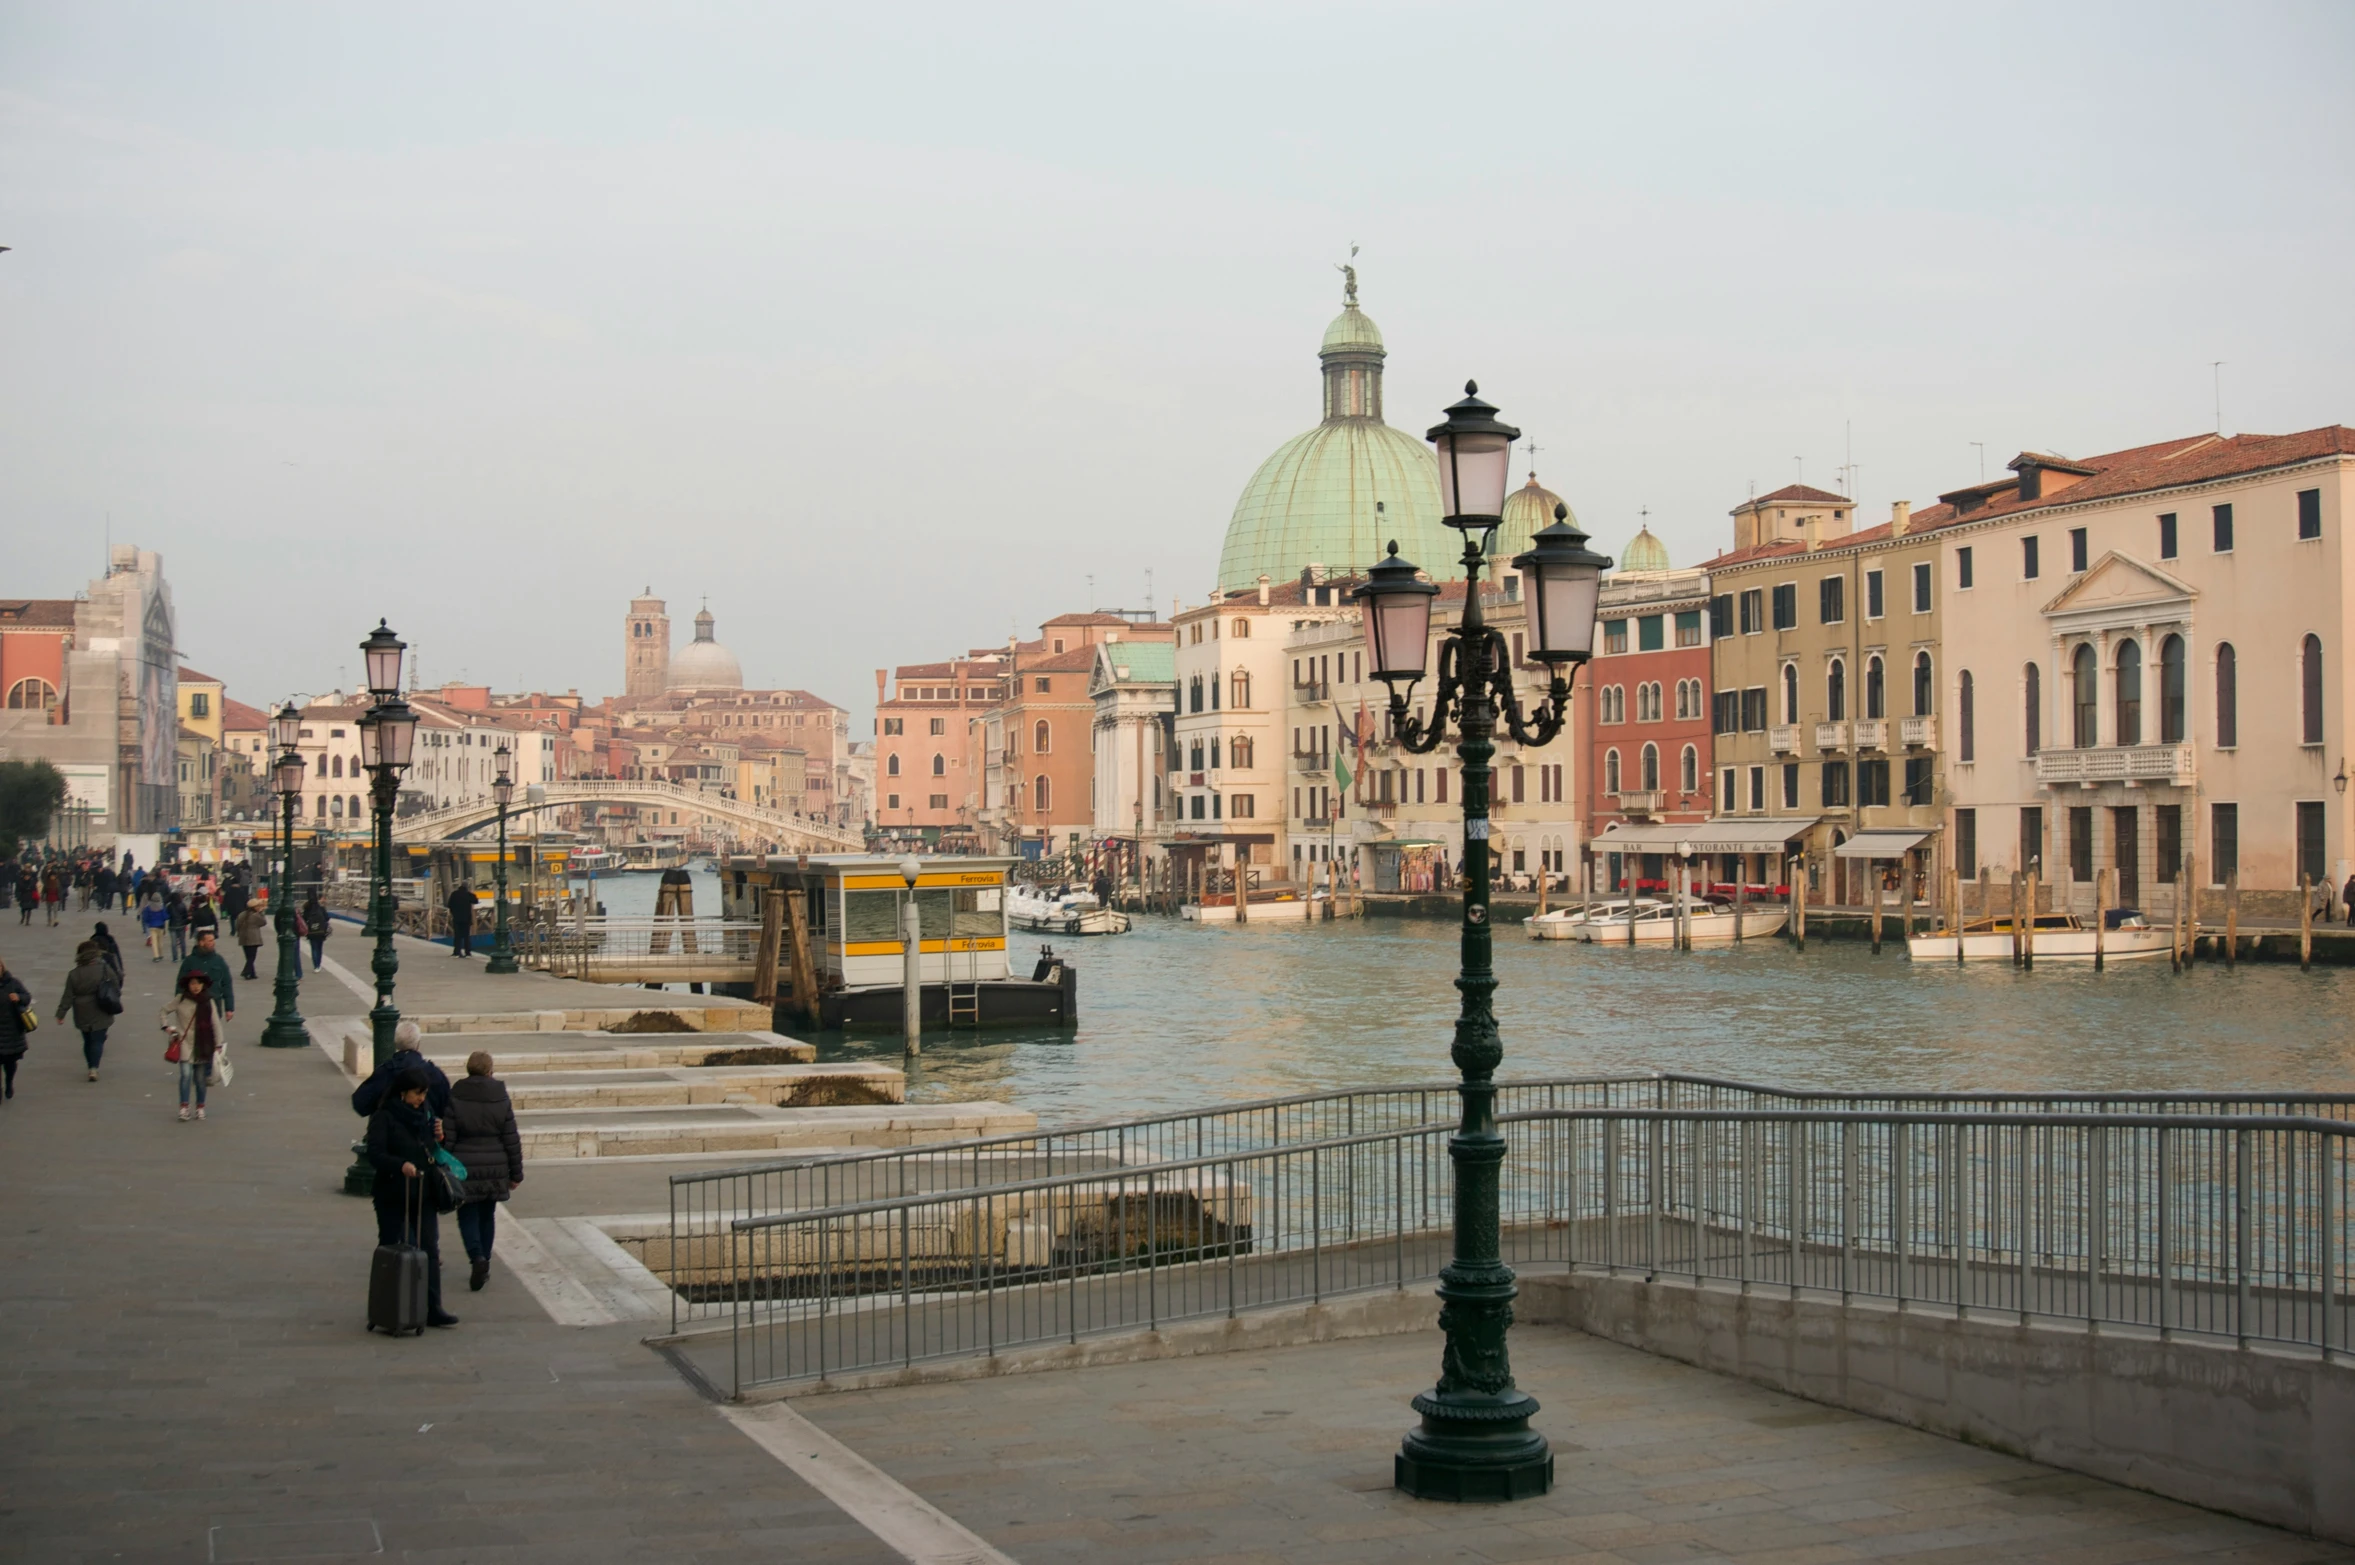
(482, 1135)
(207, 960)
(104, 880)
(234, 896)
(369, 1095)
(196, 1026)
(176, 918)
(94, 997)
(402, 1135)
(28, 895)
(2349, 899)
(203, 915)
(16, 1016)
(52, 891)
(85, 882)
(252, 924)
(105, 942)
(312, 922)
(461, 906)
(154, 916)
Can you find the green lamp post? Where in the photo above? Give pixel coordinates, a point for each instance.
(503, 790)
(388, 730)
(288, 773)
(1474, 1442)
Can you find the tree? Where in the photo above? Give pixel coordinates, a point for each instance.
(30, 794)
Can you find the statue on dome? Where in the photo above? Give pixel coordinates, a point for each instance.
(1348, 280)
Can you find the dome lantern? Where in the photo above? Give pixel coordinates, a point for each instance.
(705, 664)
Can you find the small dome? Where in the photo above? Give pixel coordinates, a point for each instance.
(1529, 510)
(705, 664)
(1644, 553)
(1352, 331)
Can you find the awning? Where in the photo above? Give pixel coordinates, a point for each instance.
(1894, 843)
(1406, 842)
(1770, 834)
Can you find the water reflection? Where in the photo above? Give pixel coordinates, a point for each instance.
(1175, 1015)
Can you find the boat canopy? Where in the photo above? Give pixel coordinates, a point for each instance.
(1882, 843)
(1769, 834)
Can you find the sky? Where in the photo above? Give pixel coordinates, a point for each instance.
(893, 330)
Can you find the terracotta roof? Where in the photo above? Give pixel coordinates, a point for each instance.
(2168, 464)
(51, 613)
(1803, 494)
(189, 676)
(236, 714)
(1078, 660)
(1087, 619)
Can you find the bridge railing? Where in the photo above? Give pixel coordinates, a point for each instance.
(2228, 1226)
(592, 947)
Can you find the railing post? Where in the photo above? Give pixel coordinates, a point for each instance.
(1316, 1230)
(2027, 1211)
(2097, 1219)
(1794, 1202)
(2160, 1158)
(1610, 1195)
(1901, 1198)
(1655, 1185)
(1748, 1174)
(1958, 1203)
(2240, 1234)
(1232, 1246)
(1152, 1255)
(907, 1305)
(1848, 1202)
(2326, 1246)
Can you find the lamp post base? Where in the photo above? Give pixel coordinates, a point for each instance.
(1474, 1449)
(502, 959)
(360, 1179)
(283, 1034)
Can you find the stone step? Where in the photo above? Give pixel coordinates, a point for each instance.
(559, 1134)
(777, 1086)
(517, 1054)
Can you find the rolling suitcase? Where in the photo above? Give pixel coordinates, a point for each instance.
(396, 1279)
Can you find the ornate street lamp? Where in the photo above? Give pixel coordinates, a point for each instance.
(288, 774)
(388, 730)
(1475, 1442)
(503, 790)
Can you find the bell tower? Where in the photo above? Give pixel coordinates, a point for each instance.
(646, 651)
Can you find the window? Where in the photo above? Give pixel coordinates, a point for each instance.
(937, 801)
(2171, 690)
(200, 703)
(1242, 806)
(2081, 842)
(1875, 702)
(1725, 790)
(1753, 611)
(2310, 691)
(2032, 706)
(1921, 588)
(2221, 518)
(34, 695)
(337, 768)
(1966, 844)
(894, 725)
(1872, 782)
(1790, 785)
(2168, 547)
(1651, 770)
(1966, 718)
(1614, 636)
(1040, 793)
(1239, 750)
(1043, 685)
(2224, 842)
(1194, 757)
(1917, 779)
(1962, 569)
(1757, 787)
(1651, 633)
(2228, 699)
(2032, 839)
(1874, 608)
(2085, 699)
(2029, 569)
(1194, 691)
(940, 725)
(2309, 513)
(1721, 616)
(1790, 692)
(2076, 548)
(2310, 863)
(1241, 694)
(1199, 806)
(940, 766)
(1754, 709)
(1610, 771)
(891, 766)
(1041, 737)
(2168, 849)
(1923, 695)
(2129, 692)
(1831, 600)
(1786, 606)
(1835, 785)
(1689, 770)
(1518, 783)
(1725, 712)
(1688, 628)
(1242, 630)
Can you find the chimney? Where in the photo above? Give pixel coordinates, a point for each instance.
(1811, 528)
(1900, 518)
(1263, 591)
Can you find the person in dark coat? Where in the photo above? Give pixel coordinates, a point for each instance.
(176, 920)
(400, 1143)
(405, 1057)
(202, 915)
(91, 976)
(483, 1136)
(313, 923)
(234, 897)
(208, 961)
(104, 880)
(461, 906)
(253, 927)
(28, 895)
(105, 942)
(15, 1000)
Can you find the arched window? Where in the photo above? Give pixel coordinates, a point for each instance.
(1194, 690)
(2129, 680)
(32, 695)
(335, 801)
(1040, 793)
(1922, 692)
(322, 772)
(2310, 691)
(891, 766)
(1836, 692)
(1690, 779)
(1966, 718)
(1041, 737)
(940, 766)
(1241, 683)
(2171, 690)
(355, 809)
(2085, 699)
(1243, 629)
(1790, 692)
(1875, 693)
(1651, 768)
(2228, 697)
(2032, 699)
(1239, 750)
(1610, 771)
(337, 769)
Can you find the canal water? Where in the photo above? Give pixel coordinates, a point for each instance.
(1176, 1015)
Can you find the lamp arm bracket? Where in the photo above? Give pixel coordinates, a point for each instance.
(1414, 735)
(1540, 727)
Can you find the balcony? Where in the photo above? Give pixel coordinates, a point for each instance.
(1313, 762)
(1783, 738)
(1312, 690)
(1197, 779)
(1831, 736)
(1872, 733)
(1381, 809)
(1918, 733)
(1316, 822)
(2166, 764)
(1650, 801)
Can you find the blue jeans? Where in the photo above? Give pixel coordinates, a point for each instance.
(192, 1070)
(478, 1226)
(318, 953)
(180, 941)
(93, 1046)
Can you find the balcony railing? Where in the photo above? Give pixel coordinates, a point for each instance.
(1831, 736)
(1314, 762)
(1872, 733)
(2159, 763)
(1918, 733)
(1313, 690)
(1783, 738)
(1642, 801)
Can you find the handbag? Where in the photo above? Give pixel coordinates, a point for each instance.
(172, 1051)
(223, 1071)
(29, 1018)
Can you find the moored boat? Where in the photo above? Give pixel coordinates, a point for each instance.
(2058, 937)
(1054, 911)
(1708, 921)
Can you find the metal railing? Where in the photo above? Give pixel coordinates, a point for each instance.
(595, 947)
(2230, 1226)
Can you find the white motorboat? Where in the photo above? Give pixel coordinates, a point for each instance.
(1655, 921)
(2058, 937)
(1273, 908)
(1059, 911)
(1559, 924)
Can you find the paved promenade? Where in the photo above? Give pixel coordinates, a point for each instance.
(184, 1377)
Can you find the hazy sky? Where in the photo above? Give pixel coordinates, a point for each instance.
(887, 327)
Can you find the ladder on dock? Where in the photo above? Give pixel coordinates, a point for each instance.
(965, 998)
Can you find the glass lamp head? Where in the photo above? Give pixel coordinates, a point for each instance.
(909, 869)
(383, 652)
(1564, 581)
(1475, 451)
(396, 733)
(290, 774)
(287, 727)
(1398, 618)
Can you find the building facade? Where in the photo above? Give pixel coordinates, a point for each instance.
(1644, 731)
(1037, 787)
(1133, 689)
(928, 746)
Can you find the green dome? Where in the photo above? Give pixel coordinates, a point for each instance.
(1529, 510)
(1644, 553)
(1353, 328)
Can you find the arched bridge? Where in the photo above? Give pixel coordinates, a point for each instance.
(795, 833)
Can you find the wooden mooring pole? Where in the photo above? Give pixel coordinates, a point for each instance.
(1798, 899)
(2232, 919)
(2305, 922)
(2101, 917)
(1872, 875)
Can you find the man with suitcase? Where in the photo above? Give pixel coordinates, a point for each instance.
(400, 1145)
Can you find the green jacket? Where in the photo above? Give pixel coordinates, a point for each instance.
(211, 964)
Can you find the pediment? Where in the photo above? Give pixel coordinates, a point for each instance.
(2118, 582)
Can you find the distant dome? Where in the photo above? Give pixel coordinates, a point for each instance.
(1352, 328)
(1529, 510)
(1644, 553)
(704, 664)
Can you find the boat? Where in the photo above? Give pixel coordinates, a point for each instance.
(1708, 920)
(1062, 911)
(2059, 937)
(1559, 924)
(1273, 907)
(593, 861)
